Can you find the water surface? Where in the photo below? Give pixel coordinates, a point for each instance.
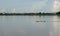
(28, 26)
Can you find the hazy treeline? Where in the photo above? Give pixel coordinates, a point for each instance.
(30, 13)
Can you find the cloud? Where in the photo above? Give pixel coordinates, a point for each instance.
(56, 5)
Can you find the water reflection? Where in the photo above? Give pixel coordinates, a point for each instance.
(56, 26)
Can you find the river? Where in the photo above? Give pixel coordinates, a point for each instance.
(29, 26)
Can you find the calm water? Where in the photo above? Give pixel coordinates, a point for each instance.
(29, 26)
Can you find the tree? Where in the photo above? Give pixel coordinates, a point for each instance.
(58, 13)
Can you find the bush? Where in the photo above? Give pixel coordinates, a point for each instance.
(58, 13)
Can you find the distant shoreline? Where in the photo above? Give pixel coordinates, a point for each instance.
(28, 14)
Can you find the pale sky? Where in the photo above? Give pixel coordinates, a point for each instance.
(23, 6)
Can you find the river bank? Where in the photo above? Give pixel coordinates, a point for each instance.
(30, 13)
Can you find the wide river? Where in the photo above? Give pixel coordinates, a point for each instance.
(29, 26)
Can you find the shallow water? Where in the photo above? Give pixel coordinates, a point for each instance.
(29, 26)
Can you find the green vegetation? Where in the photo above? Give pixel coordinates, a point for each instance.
(58, 13)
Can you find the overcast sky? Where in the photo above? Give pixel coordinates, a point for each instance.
(28, 5)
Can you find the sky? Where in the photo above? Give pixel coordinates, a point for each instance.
(27, 6)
